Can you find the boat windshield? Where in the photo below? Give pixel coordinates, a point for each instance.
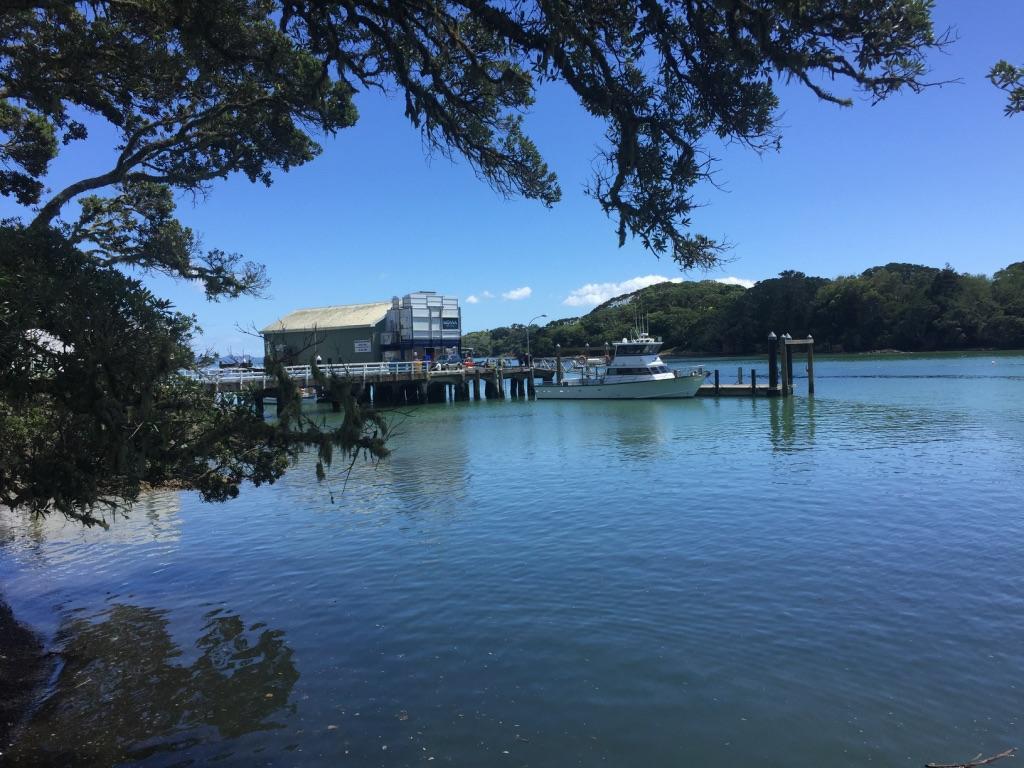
(636, 349)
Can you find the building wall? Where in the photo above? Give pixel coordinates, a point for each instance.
(337, 345)
(421, 324)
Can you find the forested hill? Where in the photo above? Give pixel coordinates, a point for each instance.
(898, 306)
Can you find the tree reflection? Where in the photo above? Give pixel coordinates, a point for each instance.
(120, 694)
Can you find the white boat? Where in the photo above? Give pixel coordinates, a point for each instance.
(636, 372)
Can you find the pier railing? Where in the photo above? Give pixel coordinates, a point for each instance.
(240, 377)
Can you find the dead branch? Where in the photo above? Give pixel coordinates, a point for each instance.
(974, 761)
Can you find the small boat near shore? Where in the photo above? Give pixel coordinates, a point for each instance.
(635, 372)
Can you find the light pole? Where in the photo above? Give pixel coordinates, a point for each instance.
(538, 317)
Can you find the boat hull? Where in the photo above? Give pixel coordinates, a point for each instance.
(658, 389)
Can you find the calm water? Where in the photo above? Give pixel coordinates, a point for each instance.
(834, 581)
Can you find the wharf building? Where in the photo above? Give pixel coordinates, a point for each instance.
(422, 325)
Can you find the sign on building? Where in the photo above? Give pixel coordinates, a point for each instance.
(450, 323)
(363, 345)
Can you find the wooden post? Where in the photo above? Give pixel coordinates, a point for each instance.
(476, 387)
(783, 351)
(531, 390)
(716, 381)
(810, 365)
(753, 382)
(773, 360)
(558, 364)
(789, 367)
(739, 375)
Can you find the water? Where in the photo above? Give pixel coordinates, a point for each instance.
(830, 581)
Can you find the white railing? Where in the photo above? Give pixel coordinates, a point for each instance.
(304, 373)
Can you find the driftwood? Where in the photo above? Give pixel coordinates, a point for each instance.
(974, 761)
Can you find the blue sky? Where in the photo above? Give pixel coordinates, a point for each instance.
(932, 178)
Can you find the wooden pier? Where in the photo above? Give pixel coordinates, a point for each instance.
(396, 383)
(405, 383)
(780, 372)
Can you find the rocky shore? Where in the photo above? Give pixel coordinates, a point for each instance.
(23, 668)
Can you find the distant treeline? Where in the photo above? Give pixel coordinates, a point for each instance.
(899, 306)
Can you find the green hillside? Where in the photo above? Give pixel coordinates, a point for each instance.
(897, 306)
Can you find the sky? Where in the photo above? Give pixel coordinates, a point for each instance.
(933, 178)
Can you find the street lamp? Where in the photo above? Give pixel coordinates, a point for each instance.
(528, 362)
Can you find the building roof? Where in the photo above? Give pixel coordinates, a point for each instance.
(330, 318)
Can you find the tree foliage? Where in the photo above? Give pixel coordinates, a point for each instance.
(93, 407)
(896, 306)
(93, 404)
(1009, 78)
(199, 90)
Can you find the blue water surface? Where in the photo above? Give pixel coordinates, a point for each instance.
(826, 581)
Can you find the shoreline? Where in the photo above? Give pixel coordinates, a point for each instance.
(867, 353)
(23, 672)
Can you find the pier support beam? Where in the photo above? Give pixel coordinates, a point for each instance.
(476, 387)
(773, 360)
(789, 367)
(810, 365)
(435, 393)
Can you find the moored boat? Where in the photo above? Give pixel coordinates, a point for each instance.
(635, 372)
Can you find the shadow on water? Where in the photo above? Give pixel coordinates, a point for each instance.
(120, 695)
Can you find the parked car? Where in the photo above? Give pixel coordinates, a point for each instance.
(448, 363)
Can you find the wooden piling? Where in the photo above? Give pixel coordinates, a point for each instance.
(782, 368)
(739, 375)
(435, 393)
(810, 366)
(476, 387)
(773, 361)
(716, 382)
(753, 382)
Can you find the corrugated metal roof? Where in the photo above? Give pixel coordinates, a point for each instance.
(328, 318)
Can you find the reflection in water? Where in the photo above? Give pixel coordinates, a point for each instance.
(154, 517)
(639, 429)
(793, 423)
(121, 696)
(431, 455)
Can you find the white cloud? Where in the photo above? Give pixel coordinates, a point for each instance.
(736, 281)
(518, 293)
(472, 300)
(593, 294)
(486, 295)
